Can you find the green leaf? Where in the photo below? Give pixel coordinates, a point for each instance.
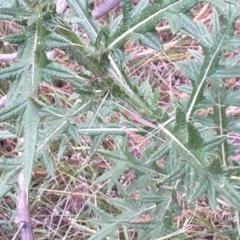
(122, 81)
(180, 171)
(215, 23)
(181, 126)
(48, 161)
(31, 123)
(191, 70)
(197, 31)
(212, 197)
(97, 141)
(208, 68)
(201, 186)
(10, 163)
(112, 175)
(105, 216)
(142, 225)
(151, 198)
(193, 158)
(12, 111)
(16, 38)
(4, 134)
(210, 144)
(126, 9)
(227, 190)
(233, 98)
(55, 70)
(224, 72)
(194, 137)
(84, 18)
(4, 189)
(121, 204)
(13, 72)
(104, 232)
(63, 146)
(10, 177)
(140, 183)
(54, 40)
(149, 17)
(73, 131)
(140, 6)
(151, 40)
(13, 13)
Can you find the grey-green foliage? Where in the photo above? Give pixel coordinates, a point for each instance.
(195, 146)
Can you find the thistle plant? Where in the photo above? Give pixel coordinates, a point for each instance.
(194, 149)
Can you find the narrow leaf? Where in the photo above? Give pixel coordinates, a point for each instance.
(151, 40)
(84, 17)
(31, 123)
(212, 198)
(201, 186)
(48, 162)
(104, 232)
(12, 111)
(97, 141)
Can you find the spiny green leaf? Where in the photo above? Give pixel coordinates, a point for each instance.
(160, 153)
(151, 40)
(194, 137)
(233, 98)
(4, 134)
(48, 161)
(198, 31)
(140, 6)
(190, 179)
(191, 70)
(10, 163)
(151, 198)
(13, 14)
(122, 81)
(227, 190)
(63, 145)
(13, 72)
(102, 37)
(105, 216)
(54, 40)
(181, 127)
(126, 9)
(104, 232)
(84, 18)
(121, 204)
(148, 18)
(96, 142)
(12, 111)
(193, 158)
(215, 23)
(55, 70)
(212, 197)
(10, 177)
(201, 186)
(209, 144)
(16, 38)
(140, 183)
(224, 72)
(73, 131)
(208, 68)
(180, 171)
(112, 175)
(31, 123)
(142, 225)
